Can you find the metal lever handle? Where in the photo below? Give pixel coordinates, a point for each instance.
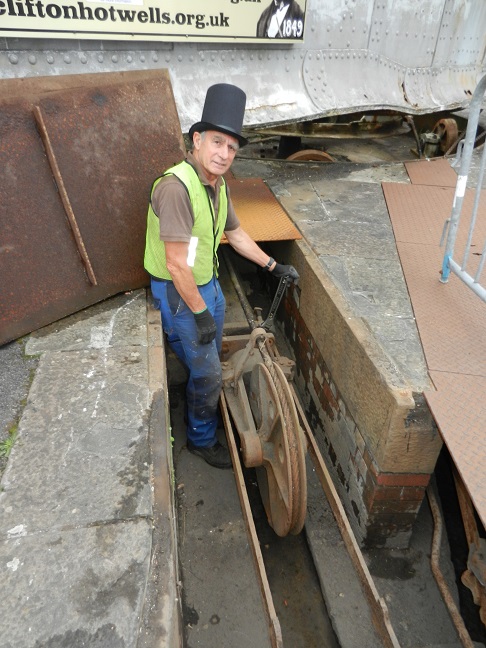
(283, 283)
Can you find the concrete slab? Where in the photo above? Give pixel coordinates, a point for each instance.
(16, 375)
(79, 495)
(373, 287)
(120, 321)
(398, 335)
(215, 556)
(74, 586)
(82, 453)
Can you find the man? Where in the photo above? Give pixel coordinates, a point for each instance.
(190, 208)
(281, 19)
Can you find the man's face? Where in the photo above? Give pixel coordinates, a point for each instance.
(215, 152)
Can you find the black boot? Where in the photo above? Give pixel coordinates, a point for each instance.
(216, 455)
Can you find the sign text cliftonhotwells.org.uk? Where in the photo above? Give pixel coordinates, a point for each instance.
(162, 20)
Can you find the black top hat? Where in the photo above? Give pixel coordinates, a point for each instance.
(223, 111)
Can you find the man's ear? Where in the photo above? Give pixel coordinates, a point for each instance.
(196, 140)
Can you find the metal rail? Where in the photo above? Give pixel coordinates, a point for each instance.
(64, 195)
(275, 631)
(378, 608)
(464, 155)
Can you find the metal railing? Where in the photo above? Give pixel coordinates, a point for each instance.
(464, 156)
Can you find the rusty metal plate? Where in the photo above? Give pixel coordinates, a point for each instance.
(436, 171)
(92, 145)
(418, 213)
(459, 407)
(259, 212)
(451, 321)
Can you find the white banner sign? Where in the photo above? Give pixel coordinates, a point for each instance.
(162, 20)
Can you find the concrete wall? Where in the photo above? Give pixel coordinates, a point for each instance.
(377, 436)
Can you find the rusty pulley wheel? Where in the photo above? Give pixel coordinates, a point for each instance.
(310, 155)
(282, 477)
(448, 133)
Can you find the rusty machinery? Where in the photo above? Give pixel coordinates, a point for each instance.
(260, 401)
(263, 410)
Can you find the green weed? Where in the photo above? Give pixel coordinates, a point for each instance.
(7, 444)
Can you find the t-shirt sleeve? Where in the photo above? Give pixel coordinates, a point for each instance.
(232, 221)
(170, 202)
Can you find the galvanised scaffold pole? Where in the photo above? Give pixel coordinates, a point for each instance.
(448, 263)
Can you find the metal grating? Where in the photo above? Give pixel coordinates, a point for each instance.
(260, 214)
(451, 320)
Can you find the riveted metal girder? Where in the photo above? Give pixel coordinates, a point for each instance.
(78, 155)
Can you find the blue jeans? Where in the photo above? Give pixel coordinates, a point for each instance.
(201, 360)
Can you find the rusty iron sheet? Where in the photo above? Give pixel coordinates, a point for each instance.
(436, 171)
(451, 321)
(259, 212)
(109, 136)
(425, 210)
(459, 408)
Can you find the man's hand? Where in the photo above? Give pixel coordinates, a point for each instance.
(206, 326)
(288, 271)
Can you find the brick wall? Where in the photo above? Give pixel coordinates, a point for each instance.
(381, 504)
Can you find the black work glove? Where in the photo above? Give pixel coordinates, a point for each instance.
(288, 271)
(206, 327)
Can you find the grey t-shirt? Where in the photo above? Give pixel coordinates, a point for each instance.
(171, 203)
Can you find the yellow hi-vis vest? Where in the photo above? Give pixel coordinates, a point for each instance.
(206, 231)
